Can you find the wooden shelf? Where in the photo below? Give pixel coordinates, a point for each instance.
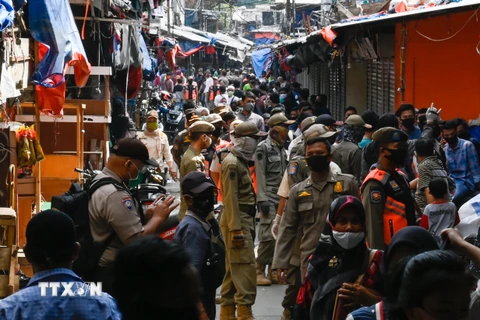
(65, 119)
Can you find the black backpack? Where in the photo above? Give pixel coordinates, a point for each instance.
(75, 204)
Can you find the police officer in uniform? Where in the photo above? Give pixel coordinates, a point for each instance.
(200, 134)
(182, 140)
(308, 205)
(238, 225)
(386, 193)
(270, 163)
(297, 172)
(114, 216)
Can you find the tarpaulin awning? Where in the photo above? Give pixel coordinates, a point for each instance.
(7, 14)
(262, 60)
(412, 14)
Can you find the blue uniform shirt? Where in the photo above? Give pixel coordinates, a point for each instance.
(29, 303)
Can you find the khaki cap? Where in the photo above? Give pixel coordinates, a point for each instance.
(318, 130)
(234, 124)
(246, 129)
(307, 122)
(152, 114)
(356, 121)
(389, 134)
(201, 127)
(278, 119)
(214, 118)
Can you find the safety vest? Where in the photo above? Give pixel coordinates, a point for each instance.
(190, 92)
(394, 212)
(214, 91)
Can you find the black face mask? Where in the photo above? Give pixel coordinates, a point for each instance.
(452, 141)
(203, 204)
(217, 132)
(190, 81)
(397, 156)
(464, 135)
(318, 163)
(408, 123)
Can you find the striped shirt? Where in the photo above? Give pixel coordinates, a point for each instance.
(463, 165)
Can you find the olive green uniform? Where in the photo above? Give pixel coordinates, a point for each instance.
(180, 146)
(191, 161)
(307, 208)
(239, 285)
(270, 164)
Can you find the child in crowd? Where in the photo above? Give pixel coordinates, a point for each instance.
(440, 214)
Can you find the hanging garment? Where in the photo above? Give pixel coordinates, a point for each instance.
(52, 25)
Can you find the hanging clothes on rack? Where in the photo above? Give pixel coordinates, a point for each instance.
(53, 26)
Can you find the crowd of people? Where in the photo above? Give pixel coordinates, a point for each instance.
(355, 215)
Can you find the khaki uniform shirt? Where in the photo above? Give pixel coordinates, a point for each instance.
(270, 163)
(191, 161)
(180, 146)
(112, 211)
(158, 148)
(348, 156)
(237, 190)
(307, 208)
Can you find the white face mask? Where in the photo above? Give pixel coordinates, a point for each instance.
(348, 240)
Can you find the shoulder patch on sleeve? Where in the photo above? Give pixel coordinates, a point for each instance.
(292, 169)
(259, 155)
(175, 146)
(375, 196)
(232, 175)
(127, 203)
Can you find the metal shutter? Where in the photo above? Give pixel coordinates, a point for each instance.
(381, 86)
(336, 90)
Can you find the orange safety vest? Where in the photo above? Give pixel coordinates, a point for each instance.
(190, 92)
(394, 212)
(214, 91)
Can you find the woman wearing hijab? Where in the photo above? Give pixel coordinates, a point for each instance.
(343, 273)
(407, 242)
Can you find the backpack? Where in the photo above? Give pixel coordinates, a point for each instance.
(75, 204)
(215, 267)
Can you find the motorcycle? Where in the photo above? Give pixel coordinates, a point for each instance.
(145, 194)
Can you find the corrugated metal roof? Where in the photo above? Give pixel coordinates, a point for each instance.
(465, 4)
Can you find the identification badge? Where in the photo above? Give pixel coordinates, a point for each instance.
(338, 187)
(394, 185)
(127, 203)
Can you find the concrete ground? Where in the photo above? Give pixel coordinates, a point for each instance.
(268, 303)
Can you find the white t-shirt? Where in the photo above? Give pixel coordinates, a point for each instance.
(208, 84)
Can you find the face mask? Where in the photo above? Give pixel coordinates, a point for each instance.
(190, 81)
(397, 156)
(248, 107)
(348, 240)
(246, 146)
(318, 163)
(230, 94)
(152, 126)
(138, 171)
(203, 205)
(452, 141)
(408, 123)
(217, 132)
(208, 143)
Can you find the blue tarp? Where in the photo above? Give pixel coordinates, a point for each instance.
(263, 41)
(261, 60)
(7, 14)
